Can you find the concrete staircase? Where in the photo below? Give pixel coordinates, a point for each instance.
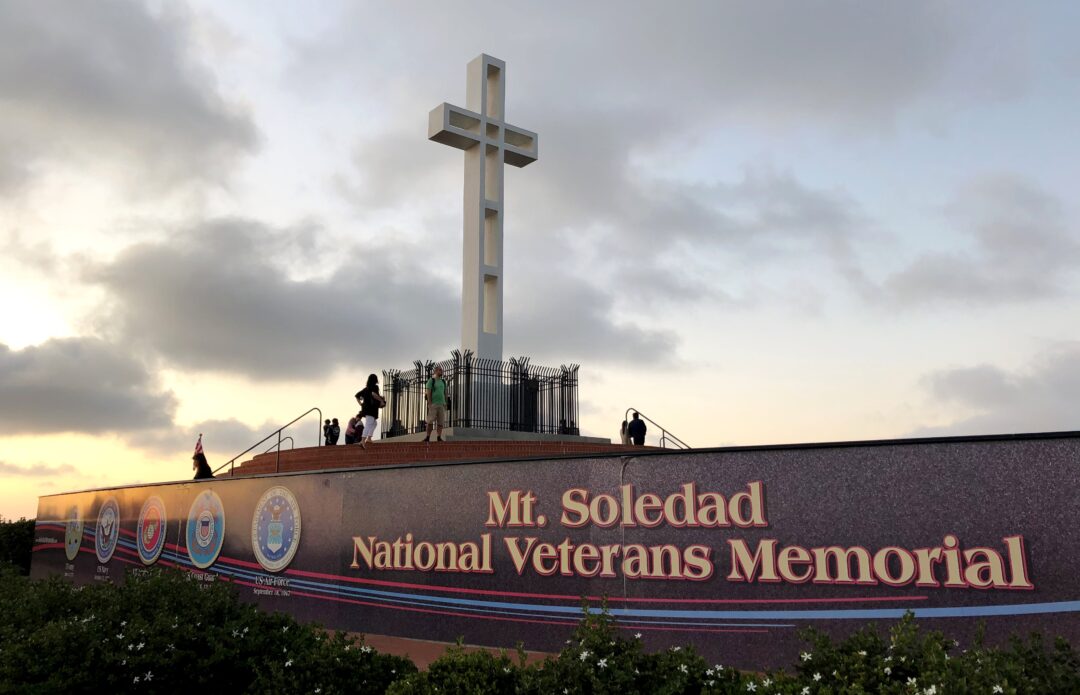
(389, 453)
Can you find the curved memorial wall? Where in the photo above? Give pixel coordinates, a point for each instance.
(731, 550)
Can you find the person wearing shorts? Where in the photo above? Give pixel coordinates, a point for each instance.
(370, 401)
(437, 398)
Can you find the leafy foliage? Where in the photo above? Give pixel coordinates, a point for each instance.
(16, 543)
(168, 633)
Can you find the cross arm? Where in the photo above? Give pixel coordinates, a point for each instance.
(454, 126)
(520, 146)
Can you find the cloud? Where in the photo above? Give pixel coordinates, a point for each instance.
(771, 61)
(214, 297)
(609, 216)
(1021, 249)
(218, 297)
(1039, 398)
(37, 470)
(569, 320)
(223, 439)
(626, 105)
(78, 385)
(110, 85)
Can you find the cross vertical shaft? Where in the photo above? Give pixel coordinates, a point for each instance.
(488, 141)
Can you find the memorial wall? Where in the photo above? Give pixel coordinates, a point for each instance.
(732, 550)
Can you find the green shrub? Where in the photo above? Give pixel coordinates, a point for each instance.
(598, 659)
(472, 673)
(167, 634)
(16, 543)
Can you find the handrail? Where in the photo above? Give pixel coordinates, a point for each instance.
(665, 436)
(292, 444)
(318, 441)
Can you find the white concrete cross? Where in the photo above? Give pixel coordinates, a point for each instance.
(488, 141)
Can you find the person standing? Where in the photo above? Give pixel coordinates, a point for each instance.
(326, 433)
(624, 437)
(636, 429)
(352, 428)
(437, 398)
(334, 433)
(371, 401)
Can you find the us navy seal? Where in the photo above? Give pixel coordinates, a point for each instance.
(107, 530)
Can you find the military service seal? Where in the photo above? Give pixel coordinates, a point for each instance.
(205, 529)
(275, 529)
(150, 533)
(107, 530)
(73, 530)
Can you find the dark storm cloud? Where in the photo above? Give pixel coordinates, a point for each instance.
(101, 84)
(1041, 397)
(1021, 248)
(78, 385)
(214, 297)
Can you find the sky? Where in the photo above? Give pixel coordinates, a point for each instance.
(758, 222)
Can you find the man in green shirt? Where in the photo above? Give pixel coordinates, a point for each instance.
(435, 394)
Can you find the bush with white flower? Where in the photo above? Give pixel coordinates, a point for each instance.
(166, 634)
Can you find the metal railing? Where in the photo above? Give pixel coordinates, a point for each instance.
(278, 444)
(665, 436)
(485, 394)
(277, 432)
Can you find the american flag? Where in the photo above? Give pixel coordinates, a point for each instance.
(198, 445)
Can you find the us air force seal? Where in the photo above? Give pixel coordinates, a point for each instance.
(73, 528)
(205, 529)
(107, 530)
(275, 529)
(150, 533)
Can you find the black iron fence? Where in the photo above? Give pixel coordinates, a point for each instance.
(485, 394)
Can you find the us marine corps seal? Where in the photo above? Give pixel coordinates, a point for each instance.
(107, 530)
(150, 533)
(205, 529)
(275, 529)
(73, 530)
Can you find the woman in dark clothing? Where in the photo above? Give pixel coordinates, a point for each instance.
(201, 467)
(371, 401)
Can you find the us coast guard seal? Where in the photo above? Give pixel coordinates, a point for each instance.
(205, 529)
(150, 533)
(275, 529)
(107, 530)
(73, 529)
